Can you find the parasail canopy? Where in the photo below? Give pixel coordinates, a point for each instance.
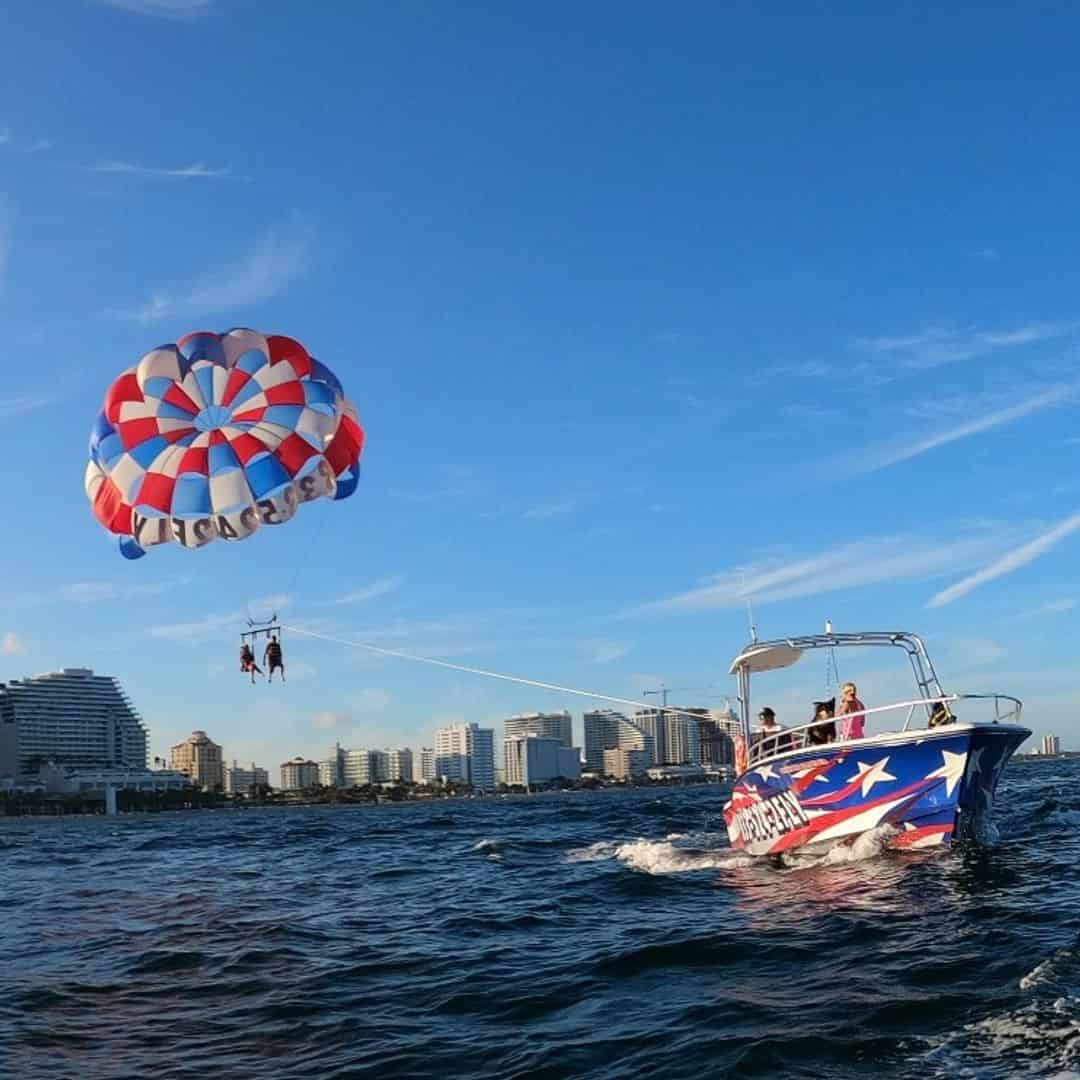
(216, 436)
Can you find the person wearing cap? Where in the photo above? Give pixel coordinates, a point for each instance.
(770, 738)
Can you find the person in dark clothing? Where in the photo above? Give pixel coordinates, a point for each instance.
(940, 714)
(824, 728)
(273, 657)
(247, 661)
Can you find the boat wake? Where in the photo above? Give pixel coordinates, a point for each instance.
(667, 857)
(871, 844)
(682, 853)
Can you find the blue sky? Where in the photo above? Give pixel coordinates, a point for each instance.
(644, 310)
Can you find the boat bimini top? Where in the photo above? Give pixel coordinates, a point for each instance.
(760, 656)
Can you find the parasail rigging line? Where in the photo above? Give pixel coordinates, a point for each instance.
(487, 674)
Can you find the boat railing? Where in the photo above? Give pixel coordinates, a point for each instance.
(1007, 710)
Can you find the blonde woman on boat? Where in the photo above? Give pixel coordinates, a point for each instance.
(854, 726)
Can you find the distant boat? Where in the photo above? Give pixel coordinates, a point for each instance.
(932, 784)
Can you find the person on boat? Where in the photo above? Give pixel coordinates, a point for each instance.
(247, 661)
(771, 738)
(940, 714)
(851, 727)
(272, 655)
(823, 729)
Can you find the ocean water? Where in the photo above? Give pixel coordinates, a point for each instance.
(594, 934)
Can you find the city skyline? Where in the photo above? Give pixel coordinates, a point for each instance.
(670, 727)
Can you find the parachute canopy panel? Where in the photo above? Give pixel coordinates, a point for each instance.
(216, 436)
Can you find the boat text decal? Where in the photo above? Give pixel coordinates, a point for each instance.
(771, 818)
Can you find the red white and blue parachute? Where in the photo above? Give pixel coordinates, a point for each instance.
(217, 435)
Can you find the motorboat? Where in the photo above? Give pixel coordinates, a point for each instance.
(924, 772)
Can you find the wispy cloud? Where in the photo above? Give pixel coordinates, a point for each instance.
(11, 644)
(432, 496)
(196, 171)
(264, 607)
(550, 510)
(974, 652)
(805, 410)
(96, 592)
(936, 345)
(450, 482)
(165, 9)
(1051, 607)
(806, 369)
(845, 566)
(21, 146)
(327, 719)
(281, 255)
(602, 651)
(1010, 561)
(371, 699)
(880, 455)
(22, 403)
(382, 587)
(208, 627)
(452, 634)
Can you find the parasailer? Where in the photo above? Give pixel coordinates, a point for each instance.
(273, 658)
(247, 661)
(216, 436)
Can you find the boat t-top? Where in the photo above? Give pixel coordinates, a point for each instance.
(928, 766)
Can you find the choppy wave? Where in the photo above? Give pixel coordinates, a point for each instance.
(603, 935)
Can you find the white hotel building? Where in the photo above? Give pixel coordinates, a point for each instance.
(551, 725)
(72, 717)
(240, 781)
(466, 752)
(538, 759)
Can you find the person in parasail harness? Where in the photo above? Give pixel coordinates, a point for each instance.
(273, 657)
(247, 661)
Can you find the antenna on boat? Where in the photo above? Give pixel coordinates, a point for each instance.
(832, 669)
(749, 607)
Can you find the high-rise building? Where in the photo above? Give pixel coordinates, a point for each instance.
(537, 759)
(653, 722)
(427, 763)
(717, 737)
(605, 729)
(240, 781)
(623, 764)
(399, 764)
(675, 733)
(332, 768)
(1051, 745)
(299, 774)
(71, 717)
(356, 769)
(199, 757)
(558, 725)
(683, 746)
(379, 767)
(466, 752)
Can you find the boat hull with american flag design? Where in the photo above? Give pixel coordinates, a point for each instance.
(933, 786)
